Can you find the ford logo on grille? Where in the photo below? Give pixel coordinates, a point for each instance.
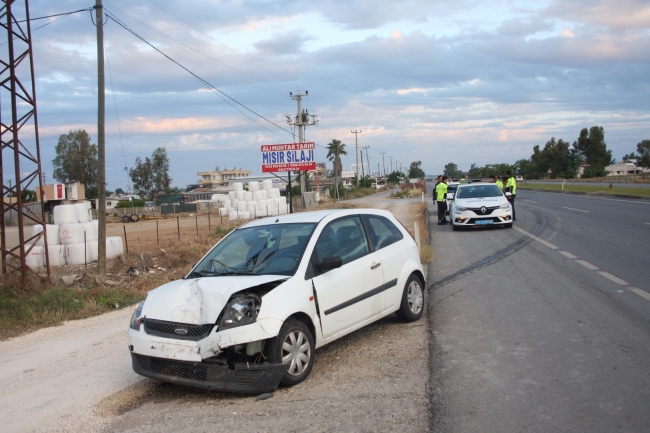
(180, 331)
(483, 209)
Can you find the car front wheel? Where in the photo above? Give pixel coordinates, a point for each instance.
(412, 300)
(294, 345)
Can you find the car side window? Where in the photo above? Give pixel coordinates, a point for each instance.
(382, 231)
(342, 238)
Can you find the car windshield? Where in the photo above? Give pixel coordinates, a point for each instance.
(477, 191)
(452, 188)
(265, 250)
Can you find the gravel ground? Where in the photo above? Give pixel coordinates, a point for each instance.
(78, 377)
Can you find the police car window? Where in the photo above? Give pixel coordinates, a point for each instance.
(477, 191)
(342, 238)
(382, 232)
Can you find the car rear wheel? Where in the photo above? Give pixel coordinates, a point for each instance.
(126, 219)
(294, 345)
(412, 304)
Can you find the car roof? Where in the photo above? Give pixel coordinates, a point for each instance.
(313, 216)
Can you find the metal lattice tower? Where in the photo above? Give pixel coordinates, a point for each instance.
(19, 134)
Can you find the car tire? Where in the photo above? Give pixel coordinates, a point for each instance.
(412, 304)
(134, 218)
(125, 219)
(294, 345)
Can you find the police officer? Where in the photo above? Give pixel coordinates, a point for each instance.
(511, 187)
(441, 200)
(497, 182)
(435, 188)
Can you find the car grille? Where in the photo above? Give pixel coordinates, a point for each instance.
(169, 329)
(185, 370)
(479, 211)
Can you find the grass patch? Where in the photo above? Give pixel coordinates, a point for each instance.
(360, 192)
(22, 312)
(426, 251)
(600, 188)
(406, 193)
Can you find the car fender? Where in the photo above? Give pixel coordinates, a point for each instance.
(395, 292)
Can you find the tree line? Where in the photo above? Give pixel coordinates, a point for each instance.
(560, 159)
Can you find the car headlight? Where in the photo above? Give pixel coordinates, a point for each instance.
(136, 319)
(240, 311)
(505, 206)
(460, 209)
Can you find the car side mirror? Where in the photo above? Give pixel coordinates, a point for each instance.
(508, 194)
(329, 263)
(450, 196)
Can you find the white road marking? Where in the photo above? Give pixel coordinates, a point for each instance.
(645, 295)
(648, 224)
(541, 241)
(587, 265)
(532, 201)
(579, 210)
(613, 278)
(569, 255)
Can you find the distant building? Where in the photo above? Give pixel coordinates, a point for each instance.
(624, 168)
(221, 177)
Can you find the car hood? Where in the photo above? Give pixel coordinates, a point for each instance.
(481, 201)
(198, 301)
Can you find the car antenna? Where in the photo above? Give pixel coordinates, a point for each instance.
(277, 220)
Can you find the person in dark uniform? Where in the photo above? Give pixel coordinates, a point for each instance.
(441, 200)
(511, 187)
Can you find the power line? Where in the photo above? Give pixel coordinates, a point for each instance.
(57, 15)
(204, 82)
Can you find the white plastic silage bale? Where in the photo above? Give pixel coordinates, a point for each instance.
(250, 206)
(232, 209)
(260, 213)
(238, 186)
(257, 195)
(71, 233)
(91, 231)
(267, 184)
(36, 257)
(245, 215)
(233, 203)
(232, 216)
(227, 203)
(264, 194)
(52, 234)
(223, 211)
(253, 186)
(114, 247)
(64, 214)
(241, 206)
(248, 196)
(83, 216)
(88, 204)
(93, 250)
(239, 195)
(56, 255)
(273, 211)
(74, 254)
(231, 195)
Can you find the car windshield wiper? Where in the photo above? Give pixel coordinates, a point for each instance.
(226, 273)
(195, 274)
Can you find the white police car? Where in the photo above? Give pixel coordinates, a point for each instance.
(480, 204)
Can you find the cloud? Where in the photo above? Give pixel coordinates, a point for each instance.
(283, 43)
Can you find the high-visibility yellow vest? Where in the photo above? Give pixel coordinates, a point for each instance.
(512, 183)
(441, 191)
(499, 184)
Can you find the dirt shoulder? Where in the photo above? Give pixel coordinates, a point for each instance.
(78, 377)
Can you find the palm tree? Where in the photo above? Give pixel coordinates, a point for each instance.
(334, 151)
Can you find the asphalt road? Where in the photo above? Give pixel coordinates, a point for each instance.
(545, 326)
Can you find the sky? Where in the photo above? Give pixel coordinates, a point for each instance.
(435, 81)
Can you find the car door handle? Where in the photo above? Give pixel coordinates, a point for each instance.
(375, 265)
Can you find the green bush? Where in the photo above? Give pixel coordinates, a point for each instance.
(129, 204)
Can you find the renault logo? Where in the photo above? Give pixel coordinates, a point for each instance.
(180, 331)
(483, 209)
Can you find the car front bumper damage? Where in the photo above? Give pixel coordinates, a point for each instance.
(244, 378)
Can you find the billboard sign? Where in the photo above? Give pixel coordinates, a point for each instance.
(288, 157)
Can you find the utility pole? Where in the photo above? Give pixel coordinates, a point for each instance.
(363, 174)
(367, 159)
(391, 163)
(302, 119)
(383, 158)
(356, 151)
(101, 148)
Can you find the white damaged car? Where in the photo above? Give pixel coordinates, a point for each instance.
(480, 204)
(251, 313)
